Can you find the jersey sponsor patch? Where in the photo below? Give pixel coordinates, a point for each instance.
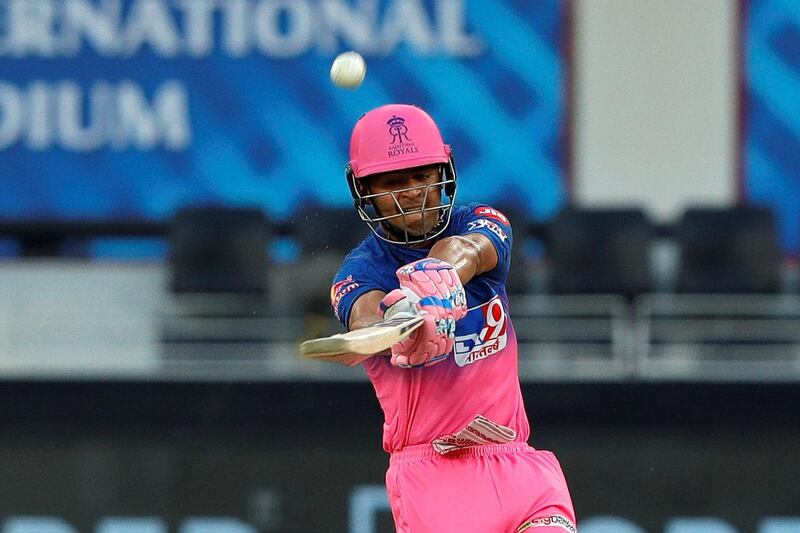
(487, 327)
(488, 212)
(339, 289)
(482, 223)
(556, 520)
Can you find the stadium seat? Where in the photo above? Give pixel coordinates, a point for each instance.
(324, 235)
(600, 251)
(219, 250)
(724, 250)
(327, 229)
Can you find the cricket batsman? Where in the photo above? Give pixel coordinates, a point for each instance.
(455, 424)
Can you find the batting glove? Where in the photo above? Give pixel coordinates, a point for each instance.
(431, 288)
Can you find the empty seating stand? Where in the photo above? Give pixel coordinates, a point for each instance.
(600, 251)
(727, 318)
(219, 251)
(728, 251)
(219, 310)
(324, 236)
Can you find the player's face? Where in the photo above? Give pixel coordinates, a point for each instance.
(411, 191)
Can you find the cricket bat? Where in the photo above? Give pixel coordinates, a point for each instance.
(357, 345)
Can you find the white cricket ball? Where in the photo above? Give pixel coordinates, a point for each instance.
(348, 70)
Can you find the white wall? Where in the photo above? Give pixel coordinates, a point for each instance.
(655, 103)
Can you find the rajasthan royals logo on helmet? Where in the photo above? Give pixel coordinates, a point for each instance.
(398, 129)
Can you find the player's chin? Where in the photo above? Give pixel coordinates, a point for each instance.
(421, 226)
(415, 225)
(421, 222)
(413, 231)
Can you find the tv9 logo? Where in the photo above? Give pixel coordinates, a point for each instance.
(486, 328)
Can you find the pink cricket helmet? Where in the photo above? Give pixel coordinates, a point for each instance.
(396, 137)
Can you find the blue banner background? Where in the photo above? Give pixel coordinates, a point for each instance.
(772, 112)
(273, 131)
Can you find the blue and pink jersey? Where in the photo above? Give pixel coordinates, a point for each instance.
(480, 375)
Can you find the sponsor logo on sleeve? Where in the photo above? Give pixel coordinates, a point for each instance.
(557, 520)
(483, 223)
(488, 335)
(339, 289)
(488, 212)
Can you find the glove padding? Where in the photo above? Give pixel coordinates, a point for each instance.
(431, 288)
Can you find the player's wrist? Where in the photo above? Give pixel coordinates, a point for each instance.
(427, 264)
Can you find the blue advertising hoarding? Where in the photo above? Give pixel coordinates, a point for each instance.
(130, 109)
(771, 112)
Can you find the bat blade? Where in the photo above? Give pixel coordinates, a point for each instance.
(370, 340)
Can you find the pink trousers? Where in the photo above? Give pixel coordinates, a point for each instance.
(503, 488)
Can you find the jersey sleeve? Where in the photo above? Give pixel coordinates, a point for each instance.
(494, 225)
(350, 282)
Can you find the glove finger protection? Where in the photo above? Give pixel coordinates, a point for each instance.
(431, 288)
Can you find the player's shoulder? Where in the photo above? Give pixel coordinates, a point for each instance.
(480, 210)
(464, 214)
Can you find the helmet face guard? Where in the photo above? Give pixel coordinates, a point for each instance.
(393, 138)
(393, 228)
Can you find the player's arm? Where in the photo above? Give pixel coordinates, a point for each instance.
(435, 285)
(365, 310)
(471, 254)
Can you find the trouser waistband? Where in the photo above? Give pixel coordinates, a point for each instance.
(425, 451)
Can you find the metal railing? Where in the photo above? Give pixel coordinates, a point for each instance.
(718, 337)
(572, 337)
(79, 320)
